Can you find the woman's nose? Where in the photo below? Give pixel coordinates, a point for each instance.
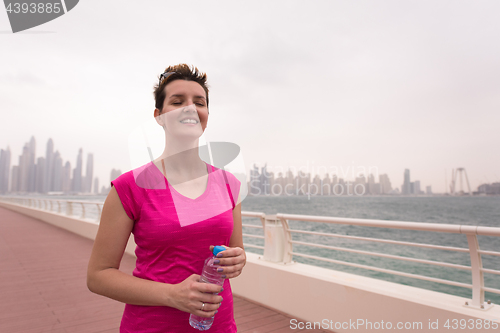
(189, 108)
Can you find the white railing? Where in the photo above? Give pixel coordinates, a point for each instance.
(67, 205)
(262, 218)
(471, 232)
(278, 240)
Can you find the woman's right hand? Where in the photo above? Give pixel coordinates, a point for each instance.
(190, 294)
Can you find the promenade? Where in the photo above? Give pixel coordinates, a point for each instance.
(43, 285)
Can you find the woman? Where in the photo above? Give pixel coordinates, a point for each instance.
(178, 207)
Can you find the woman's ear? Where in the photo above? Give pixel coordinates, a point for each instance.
(158, 119)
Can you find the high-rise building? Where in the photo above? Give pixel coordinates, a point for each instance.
(96, 185)
(416, 187)
(4, 170)
(406, 187)
(66, 179)
(57, 173)
(385, 184)
(255, 179)
(49, 167)
(14, 186)
(40, 175)
(77, 173)
(31, 166)
(89, 172)
(115, 174)
(428, 189)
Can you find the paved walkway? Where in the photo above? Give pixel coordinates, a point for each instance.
(43, 285)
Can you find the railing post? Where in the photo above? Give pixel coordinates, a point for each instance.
(288, 246)
(98, 212)
(477, 274)
(58, 206)
(273, 239)
(83, 210)
(69, 208)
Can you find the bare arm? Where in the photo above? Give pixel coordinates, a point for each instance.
(234, 258)
(105, 278)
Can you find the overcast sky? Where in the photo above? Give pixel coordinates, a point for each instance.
(301, 84)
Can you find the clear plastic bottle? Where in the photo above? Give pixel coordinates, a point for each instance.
(209, 275)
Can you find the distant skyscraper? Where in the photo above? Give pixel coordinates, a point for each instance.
(66, 179)
(31, 165)
(416, 187)
(49, 167)
(4, 170)
(96, 185)
(40, 175)
(77, 173)
(24, 170)
(57, 173)
(89, 173)
(405, 189)
(428, 190)
(14, 186)
(385, 184)
(115, 174)
(254, 185)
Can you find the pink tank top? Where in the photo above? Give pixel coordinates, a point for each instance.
(173, 234)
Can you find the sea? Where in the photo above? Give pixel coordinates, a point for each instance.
(458, 210)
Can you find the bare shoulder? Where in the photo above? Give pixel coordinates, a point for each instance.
(114, 231)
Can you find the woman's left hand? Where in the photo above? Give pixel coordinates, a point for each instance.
(231, 261)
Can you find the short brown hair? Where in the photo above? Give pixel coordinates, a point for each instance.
(179, 72)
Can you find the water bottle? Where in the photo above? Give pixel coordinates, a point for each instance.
(209, 275)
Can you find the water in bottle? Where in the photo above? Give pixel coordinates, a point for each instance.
(209, 275)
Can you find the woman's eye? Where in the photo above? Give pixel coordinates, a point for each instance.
(200, 104)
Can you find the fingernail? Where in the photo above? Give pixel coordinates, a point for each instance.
(220, 269)
(222, 290)
(222, 299)
(223, 276)
(216, 261)
(219, 255)
(216, 311)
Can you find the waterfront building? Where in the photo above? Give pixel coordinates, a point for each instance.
(77, 173)
(326, 185)
(31, 165)
(40, 175)
(489, 189)
(66, 182)
(416, 187)
(49, 167)
(115, 174)
(57, 173)
(406, 187)
(89, 172)
(4, 170)
(385, 184)
(14, 186)
(428, 189)
(96, 185)
(254, 181)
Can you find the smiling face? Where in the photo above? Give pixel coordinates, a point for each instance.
(184, 108)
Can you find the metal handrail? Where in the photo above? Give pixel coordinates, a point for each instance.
(471, 232)
(37, 203)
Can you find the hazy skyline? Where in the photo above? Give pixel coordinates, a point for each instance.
(390, 84)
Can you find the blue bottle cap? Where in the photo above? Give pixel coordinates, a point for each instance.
(218, 249)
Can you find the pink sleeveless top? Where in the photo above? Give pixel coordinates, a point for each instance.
(173, 234)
